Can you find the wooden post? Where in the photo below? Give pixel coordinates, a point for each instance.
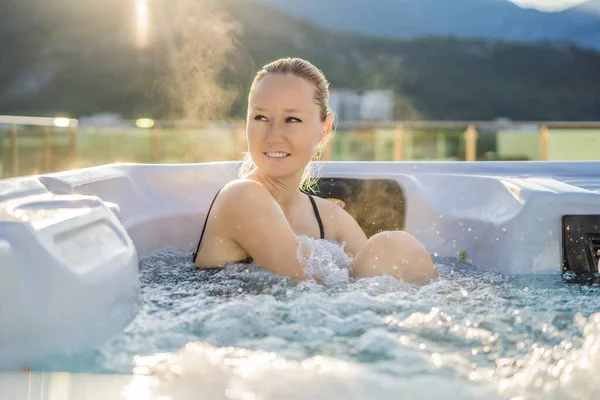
(73, 148)
(157, 143)
(327, 150)
(47, 149)
(440, 146)
(240, 142)
(544, 134)
(399, 142)
(14, 151)
(471, 143)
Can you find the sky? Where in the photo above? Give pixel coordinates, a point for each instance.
(547, 5)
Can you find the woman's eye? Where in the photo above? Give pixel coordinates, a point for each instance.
(260, 118)
(292, 119)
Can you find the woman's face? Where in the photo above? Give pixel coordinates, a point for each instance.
(284, 125)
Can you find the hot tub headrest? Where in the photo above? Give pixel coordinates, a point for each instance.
(376, 204)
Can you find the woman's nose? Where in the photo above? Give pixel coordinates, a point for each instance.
(275, 134)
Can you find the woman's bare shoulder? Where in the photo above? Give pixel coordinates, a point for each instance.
(242, 192)
(341, 225)
(245, 199)
(327, 208)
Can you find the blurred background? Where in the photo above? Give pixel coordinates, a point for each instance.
(86, 82)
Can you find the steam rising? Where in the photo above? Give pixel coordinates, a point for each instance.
(198, 37)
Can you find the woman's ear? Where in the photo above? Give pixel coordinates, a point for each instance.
(327, 126)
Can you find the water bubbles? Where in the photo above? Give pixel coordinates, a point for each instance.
(325, 261)
(258, 331)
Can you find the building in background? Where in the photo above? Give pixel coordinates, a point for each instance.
(377, 105)
(345, 103)
(371, 105)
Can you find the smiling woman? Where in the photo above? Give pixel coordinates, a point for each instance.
(267, 217)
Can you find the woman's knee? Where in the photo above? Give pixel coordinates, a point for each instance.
(402, 250)
(394, 239)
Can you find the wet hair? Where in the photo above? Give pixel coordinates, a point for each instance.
(305, 70)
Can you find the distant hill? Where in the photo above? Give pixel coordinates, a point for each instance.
(201, 66)
(495, 19)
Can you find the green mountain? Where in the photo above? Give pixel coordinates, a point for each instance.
(203, 54)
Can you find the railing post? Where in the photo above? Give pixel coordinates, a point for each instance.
(157, 142)
(47, 149)
(399, 142)
(440, 146)
(544, 134)
(240, 139)
(73, 146)
(471, 143)
(14, 151)
(327, 149)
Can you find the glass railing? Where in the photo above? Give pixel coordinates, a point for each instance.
(27, 148)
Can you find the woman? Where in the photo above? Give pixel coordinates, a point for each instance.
(263, 216)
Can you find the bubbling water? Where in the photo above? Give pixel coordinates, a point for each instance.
(244, 332)
(324, 260)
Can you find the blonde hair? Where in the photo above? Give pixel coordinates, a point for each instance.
(305, 70)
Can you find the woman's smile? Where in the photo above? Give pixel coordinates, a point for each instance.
(276, 155)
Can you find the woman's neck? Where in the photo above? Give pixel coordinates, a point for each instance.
(284, 190)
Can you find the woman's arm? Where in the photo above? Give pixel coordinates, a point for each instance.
(254, 220)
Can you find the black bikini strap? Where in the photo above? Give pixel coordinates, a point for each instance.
(314, 206)
(316, 210)
(204, 227)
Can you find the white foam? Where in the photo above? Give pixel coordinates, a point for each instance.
(564, 371)
(236, 373)
(324, 260)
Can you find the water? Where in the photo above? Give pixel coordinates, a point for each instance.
(252, 334)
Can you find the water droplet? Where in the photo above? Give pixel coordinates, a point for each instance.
(469, 229)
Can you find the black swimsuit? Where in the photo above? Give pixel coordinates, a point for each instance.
(249, 260)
